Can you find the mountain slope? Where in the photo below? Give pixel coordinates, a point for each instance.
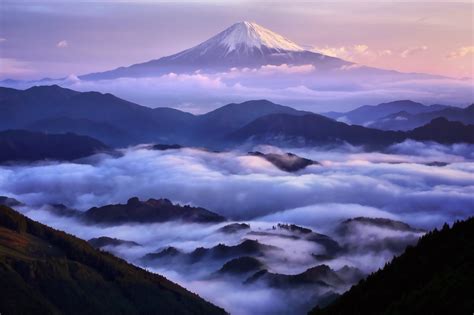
(434, 277)
(45, 271)
(26, 146)
(243, 44)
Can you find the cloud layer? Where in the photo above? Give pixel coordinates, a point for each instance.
(397, 183)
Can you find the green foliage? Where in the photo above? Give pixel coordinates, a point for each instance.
(434, 277)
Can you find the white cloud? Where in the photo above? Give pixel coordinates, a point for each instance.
(62, 44)
(2, 39)
(413, 51)
(352, 53)
(461, 52)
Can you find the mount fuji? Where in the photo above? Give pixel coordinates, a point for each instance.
(244, 44)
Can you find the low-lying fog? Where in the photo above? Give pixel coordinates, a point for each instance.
(402, 183)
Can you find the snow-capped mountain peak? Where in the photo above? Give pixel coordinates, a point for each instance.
(252, 35)
(242, 45)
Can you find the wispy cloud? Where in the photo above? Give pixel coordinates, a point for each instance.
(352, 52)
(413, 51)
(12, 67)
(461, 52)
(62, 44)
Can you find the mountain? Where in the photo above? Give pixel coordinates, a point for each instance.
(287, 162)
(402, 115)
(295, 232)
(372, 235)
(230, 117)
(310, 129)
(27, 146)
(321, 275)
(109, 118)
(434, 277)
(103, 241)
(244, 44)
(313, 129)
(219, 252)
(119, 123)
(443, 131)
(346, 227)
(406, 121)
(152, 210)
(45, 271)
(116, 122)
(241, 265)
(366, 115)
(230, 228)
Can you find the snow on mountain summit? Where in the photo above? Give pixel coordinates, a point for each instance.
(242, 45)
(253, 35)
(244, 39)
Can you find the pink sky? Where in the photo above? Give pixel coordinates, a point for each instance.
(58, 38)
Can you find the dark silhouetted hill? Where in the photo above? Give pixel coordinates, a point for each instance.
(152, 210)
(287, 162)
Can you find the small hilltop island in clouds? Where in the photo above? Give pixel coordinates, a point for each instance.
(164, 158)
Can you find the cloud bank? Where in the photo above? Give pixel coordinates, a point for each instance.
(398, 183)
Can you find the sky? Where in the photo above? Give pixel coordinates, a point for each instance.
(55, 38)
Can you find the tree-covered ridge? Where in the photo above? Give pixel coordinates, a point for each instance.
(434, 277)
(45, 271)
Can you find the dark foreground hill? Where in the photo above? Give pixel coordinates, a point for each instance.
(434, 277)
(44, 271)
(22, 145)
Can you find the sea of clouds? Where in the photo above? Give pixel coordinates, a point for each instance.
(398, 183)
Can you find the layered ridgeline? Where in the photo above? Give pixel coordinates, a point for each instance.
(45, 271)
(434, 277)
(116, 122)
(402, 115)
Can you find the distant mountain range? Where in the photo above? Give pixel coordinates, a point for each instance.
(434, 277)
(313, 129)
(118, 123)
(402, 115)
(44, 271)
